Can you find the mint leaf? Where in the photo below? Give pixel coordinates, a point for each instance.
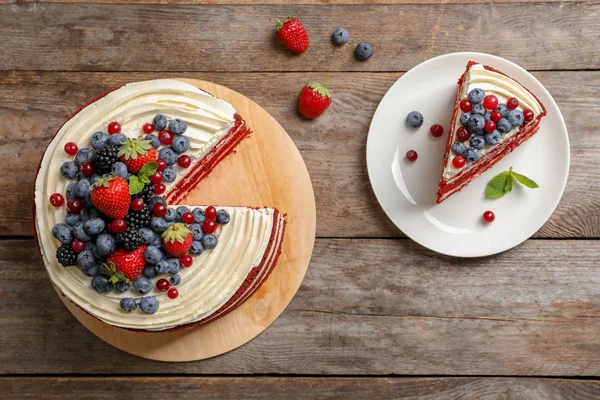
(144, 179)
(497, 186)
(525, 181)
(135, 185)
(148, 169)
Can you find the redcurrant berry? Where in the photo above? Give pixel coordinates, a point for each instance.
(118, 225)
(490, 102)
(75, 205)
(148, 128)
(210, 212)
(184, 161)
(527, 115)
(463, 134)
(465, 105)
(186, 261)
(496, 116)
(159, 210)
(209, 226)
(162, 164)
(156, 178)
(71, 148)
(490, 126)
(512, 103)
(160, 188)
(162, 285)
(173, 293)
(137, 205)
(114, 127)
(87, 168)
(411, 155)
(436, 130)
(57, 200)
(459, 162)
(78, 246)
(165, 137)
(489, 216)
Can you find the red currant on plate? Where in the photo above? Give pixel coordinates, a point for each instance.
(210, 212)
(184, 161)
(186, 261)
(489, 216)
(71, 148)
(512, 103)
(162, 285)
(159, 210)
(114, 127)
(490, 126)
(78, 246)
(148, 128)
(436, 130)
(57, 200)
(165, 137)
(173, 293)
(527, 115)
(160, 188)
(465, 105)
(156, 177)
(87, 168)
(411, 155)
(496, 116)
(459, 162)
(162, 164)
(490, 102)
(137, 205)
(188, 218)
(209, 226)
(118, 225)
(75, 205)
(463, 134)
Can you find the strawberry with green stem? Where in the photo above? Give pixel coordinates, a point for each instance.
(135, 153)
(177, 239)
(291, 34)
(111, 196)
(126, 266)
(314, 99)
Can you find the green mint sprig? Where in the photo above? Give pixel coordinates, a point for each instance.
(137, 182)
(502, 183)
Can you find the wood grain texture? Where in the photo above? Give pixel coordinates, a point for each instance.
(268, 171)
(34, 105)
(192, 388)
(373, 307)
(110, 37)
(288, 2)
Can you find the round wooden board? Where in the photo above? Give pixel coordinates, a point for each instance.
(265, 170)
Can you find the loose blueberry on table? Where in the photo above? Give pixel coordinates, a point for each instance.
(115, 229)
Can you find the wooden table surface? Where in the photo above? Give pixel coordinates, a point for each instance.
(377, 316)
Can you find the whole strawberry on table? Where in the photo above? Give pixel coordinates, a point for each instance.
(314, 99)
(291, 34)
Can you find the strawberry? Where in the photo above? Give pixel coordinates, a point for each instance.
(128, 264)
(292, 34)
(315, 98)
(177, 239)
(111, 196)
(134, 153)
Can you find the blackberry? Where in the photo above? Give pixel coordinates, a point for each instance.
(66, 256)
(146, 193)
(104, 158)
(139, 219)
(130, 239)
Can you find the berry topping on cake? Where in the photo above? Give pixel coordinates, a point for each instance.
(137, 205)
(476, 96)
(209, 226)
(490, 102)
(148, 128)
(527, 115)
(222, 217)
(210, 212)
(102, 284)
(105, 157)
(411, 155)
(496, 116)
(114, 127)
(57, 200)
(465, 105)
(66, 256)
(459, 148)
(186, 261)
(436, 130)
(314, 99)
(292, 34)
(78, 245)
(130, 239)
(149, 305)
(165, 137)
(159, 210)
(75, 205)
(160, 188)
(188, 218)
(111, 196)
(515, 117)
(128, 263)
(184, 161)
(128, 304)
(490, 126)
(512, 103)
(493, 138)
(177, 239)
(135, 153)
(162, 285)
(71, 148)
(504, 125)
(459, 161)
(156, 177)
(209, 241)
(462, 134)
(87, 168)
(160, 122)
(118, 225)
(173, 293)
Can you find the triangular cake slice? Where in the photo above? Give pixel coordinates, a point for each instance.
(493, 115)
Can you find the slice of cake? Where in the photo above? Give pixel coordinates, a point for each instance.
(493, 115)
(113, 234)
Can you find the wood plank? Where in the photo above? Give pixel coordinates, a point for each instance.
(34, 105)
(288, 2)
(109, 37)
(375, 307)
(297, 388)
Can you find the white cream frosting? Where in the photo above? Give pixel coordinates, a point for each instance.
(216, 274)
(503, 88)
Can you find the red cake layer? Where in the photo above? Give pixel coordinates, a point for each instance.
(463, 178)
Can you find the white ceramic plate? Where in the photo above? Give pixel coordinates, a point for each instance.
(407, 191)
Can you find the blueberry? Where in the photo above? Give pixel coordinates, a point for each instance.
(340, 36)
(169, 174)
(459, 148)
(158, 224)
(477, 131)
(122, 287)
(70, 191)
(169, 155)
(174, 265)
(162, 267)
(69, 170)
(86, 259)
(175, 279)
(503, 126)
(414, 119)
(180, 211)
(142, 285)
(197, 231)
(171, 215)
(515, 117)
(154, 141)
(94, 178)
(159, 122)
(95, 213)
(487, 116)
(156, 199)
(63, 233)
(72, 219)
(180, 144)
(152, 255)
(149, 305)
(476, 122)
(472, 154)
(209, 241)
(363, 51)
(84, 215)
(80, 232)
(92, 271)
(477, 142)
(149, 271)
(117, 139)
(222, 217)
(106, 244)
(99, 257)
(478, 109)
(177, 126)
(128, 304)
(156, 241)
(464, 119)
(101, 283)
(476, 96)
(87, 201)
(99, 139)
(196, 248)
(493, 138)
(120, 169)
(198, 214)
(94, 226)
(84, 155)
(147, 234)
(502, 109)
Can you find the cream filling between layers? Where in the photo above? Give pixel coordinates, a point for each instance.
(503, 88)
(216, 274)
